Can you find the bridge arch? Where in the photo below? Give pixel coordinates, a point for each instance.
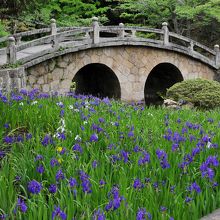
(161, 77)
(131, 64)
(97, 79)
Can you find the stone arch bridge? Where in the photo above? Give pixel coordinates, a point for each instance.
(128, 63)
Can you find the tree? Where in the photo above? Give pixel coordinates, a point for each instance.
(185, 17)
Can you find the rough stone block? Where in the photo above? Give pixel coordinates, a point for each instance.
(1, 82)
(65, 84)
(57, 73)
(31, 79)
(51, 65)
(67, 58)
(40, 70)
(62, 64)
(54, 85)
(46, 88)
(40, 80)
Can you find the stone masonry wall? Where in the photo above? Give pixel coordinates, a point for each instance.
(12, 79)
(131, 65)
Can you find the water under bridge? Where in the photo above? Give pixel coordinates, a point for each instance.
(128, 63)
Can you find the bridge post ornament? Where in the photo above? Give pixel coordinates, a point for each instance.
(217, 56)
(165, 33)
(121, 31)
(11, 51)
(53, 27)
(96, 29)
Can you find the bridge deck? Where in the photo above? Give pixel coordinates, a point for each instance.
(73, 39)
(34, 50)
(26, 52)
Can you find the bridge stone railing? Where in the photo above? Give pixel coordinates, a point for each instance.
(69, 37)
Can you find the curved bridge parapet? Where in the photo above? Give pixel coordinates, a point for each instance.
(59, 41)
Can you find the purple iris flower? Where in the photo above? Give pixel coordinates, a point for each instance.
(212, 160)
(194, 187)
(101, 120)
(61, 136)
(164, 163)
(6, 125)
(102, 183)
(72, 182)
(145, 158)
(85, 182)
(40, 169)
(52, 188)
(62, 113)
(137, 184)
(59, 175)
(195, 151)
(57, 212)
(2, 154)
(116, 200)
(28, 136)
(8, 139)
(136, 149)
(34, 187)
(142, 213)
(125, 156)
(175, 147)
(21, 205)
(54, 162)
(94, 138)
(77, 148)
(161, 154)
(163, 208)
(188, 199)
(130, 134)
(47, 140)
(206, 139)
(94, 164)
(98, 215)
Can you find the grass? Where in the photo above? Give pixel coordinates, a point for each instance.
(54, 126)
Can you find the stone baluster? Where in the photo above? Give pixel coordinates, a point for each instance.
(96, 30)
(217, 56)
(18, 40)
(121, 30)
(133, 33)
(11, 51)
(191, 46)
(87, 36)
(53, 32)
(165, 33)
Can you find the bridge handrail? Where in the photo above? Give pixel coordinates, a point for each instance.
(131, 28)
(92, 34)
(34, 32)
(19, 35)
(55, 37)
(194, 43)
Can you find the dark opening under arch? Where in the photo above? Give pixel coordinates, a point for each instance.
(98, 80)
(161, 77)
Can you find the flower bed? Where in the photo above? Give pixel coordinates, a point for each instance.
(80, 157)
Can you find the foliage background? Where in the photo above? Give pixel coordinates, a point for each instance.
(198, 19)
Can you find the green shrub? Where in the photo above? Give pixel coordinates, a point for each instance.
(3, 31)
(202, 93)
